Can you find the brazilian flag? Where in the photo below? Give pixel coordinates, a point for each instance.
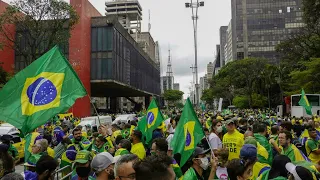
(188, 133)
(151, 121)
(47, 87)
(305, 103)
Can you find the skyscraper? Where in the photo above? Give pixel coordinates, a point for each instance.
(259, 25)
(223, 41)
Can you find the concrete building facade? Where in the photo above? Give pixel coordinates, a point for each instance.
(166, 83)
(176, 86)
(146, 42)
(228, 45)
(258, 26)
(223, 41)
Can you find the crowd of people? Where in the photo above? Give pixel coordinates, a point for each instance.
(240, 145)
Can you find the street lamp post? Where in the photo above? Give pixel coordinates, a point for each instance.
(194, 7)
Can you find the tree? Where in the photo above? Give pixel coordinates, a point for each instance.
(172, 96)
(40, 24)
(207, 96)
(241, 102)
(307, 77)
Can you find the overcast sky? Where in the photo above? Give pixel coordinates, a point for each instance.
(172, 25)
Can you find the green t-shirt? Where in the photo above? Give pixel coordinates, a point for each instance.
(191, 175)
(312, 145)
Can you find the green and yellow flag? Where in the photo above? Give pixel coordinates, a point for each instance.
(305, 103)
(46, 87)
(151, 121)
(188, 133)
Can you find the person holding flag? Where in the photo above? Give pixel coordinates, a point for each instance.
(150, 122)
(48, 86)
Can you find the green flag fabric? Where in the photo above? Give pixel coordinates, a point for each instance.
(151, 121)
(188, 133)
(46, 87)
(305, 103)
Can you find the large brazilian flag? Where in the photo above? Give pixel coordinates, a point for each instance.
(47, 87)
(188, 133)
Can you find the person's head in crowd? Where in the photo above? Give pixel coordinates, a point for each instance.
(260, 128)
(136, 136)
(100, 141)
(216, 127)
(222, 156)
(6, 139)
(77, 134)
(133, 123)
(40, 146)
(248, 134)
(79, 127)
(206, 131)
(48, 137)
(312, 133)
(45, 166)
(240, 169)
(127, 126)
(125, 144)
(6, 161)
(274, 130)
(159, 145)
(123, 169)
(278, 167)
(298, 172)
(200, 162)
(248, 152)
(285, 125)
(251, 140)
(82, 163)
(155, 167)
(95, 135)
(114, 127)
(231, 126)
(65, 128)
(285, 138)
(102, 165)
(118, 139)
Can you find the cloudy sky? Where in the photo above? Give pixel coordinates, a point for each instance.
(172, 26)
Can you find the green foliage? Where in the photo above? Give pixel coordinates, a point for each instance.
(207, 96)
(259, 101)
(307, 77)
(172, 95)
(241, 102)
(42, 23)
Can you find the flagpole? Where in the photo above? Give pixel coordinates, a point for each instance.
(95, 109)
(210, 147)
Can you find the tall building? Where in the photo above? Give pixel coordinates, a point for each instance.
(168, 80)
(223, 40)
(129, 13)
(228, 45)
(147, 43)
(210, 70)
(258, 26)
(176, 86)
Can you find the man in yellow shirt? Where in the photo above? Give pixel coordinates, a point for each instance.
(233, 140)
(137, 146)
(312, 146)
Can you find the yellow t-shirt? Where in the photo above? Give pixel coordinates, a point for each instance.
(50, 152)
(312, 145)
(115, 134)
(234, 143)
(138, 149)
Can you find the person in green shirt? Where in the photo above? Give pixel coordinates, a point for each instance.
(200, 163)
(82, 166)
(289, 149)
(312, 146)
(124, 147)
(260, 132)
(101, 145)
(79, 141)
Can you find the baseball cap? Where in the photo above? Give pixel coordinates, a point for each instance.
(198, 151)
(229, 121)
(83, 157)
(251, 140)
(298, 172)
(248, 151)
(101, 161)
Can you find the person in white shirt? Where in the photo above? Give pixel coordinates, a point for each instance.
(214, 139)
